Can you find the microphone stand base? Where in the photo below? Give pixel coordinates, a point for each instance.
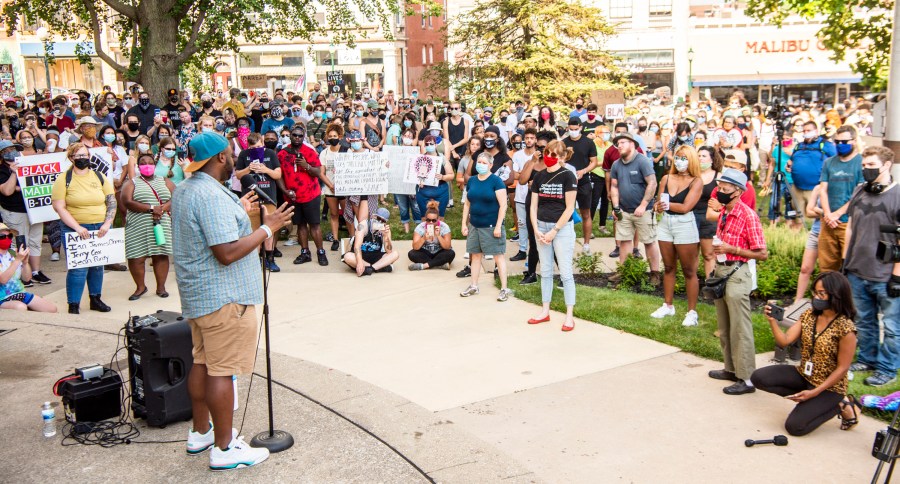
(278, 441)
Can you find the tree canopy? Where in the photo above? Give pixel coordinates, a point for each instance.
(848, 25)
(551, 50)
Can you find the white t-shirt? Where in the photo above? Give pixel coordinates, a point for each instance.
(120, 164)
(518, 160)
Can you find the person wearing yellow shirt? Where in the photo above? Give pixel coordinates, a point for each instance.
(599, 198)
(235, 103)
(85, 201)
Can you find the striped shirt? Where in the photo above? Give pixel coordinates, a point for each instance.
(204, 214)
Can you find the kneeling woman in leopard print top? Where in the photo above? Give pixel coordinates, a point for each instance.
(827, 344)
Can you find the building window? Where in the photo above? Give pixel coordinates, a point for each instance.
(431, 54)
(429, 22)
(423, 55)
(423, 20)
(660, 8)
(620, 8)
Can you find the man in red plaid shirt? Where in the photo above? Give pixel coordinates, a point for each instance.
(740, 238)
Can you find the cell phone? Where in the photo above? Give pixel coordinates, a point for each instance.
(776, 312)
(378, 226)
(20, 241)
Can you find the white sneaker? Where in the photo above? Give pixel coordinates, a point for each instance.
(197, 443)
(691, 319)
(488, 257)
(586, 249)
(466, 255)
(663, 311)
(291, 242)
(239, 454)
(54, 257)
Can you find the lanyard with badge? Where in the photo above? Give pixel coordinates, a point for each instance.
(808, 367)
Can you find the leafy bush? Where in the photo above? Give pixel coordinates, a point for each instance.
(590, 264)
(633, 272)
(778, 274)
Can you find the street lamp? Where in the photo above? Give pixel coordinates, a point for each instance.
(690, 56)
(43, 34)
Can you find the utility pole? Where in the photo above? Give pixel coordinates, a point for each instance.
(892, 118)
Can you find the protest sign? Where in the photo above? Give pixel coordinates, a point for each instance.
(422, 170)
(398, 159)
(101, 160)
(360, 174)
(335, 81)
(36, 174)
(95, 251)
(605, 97)
(615, 111)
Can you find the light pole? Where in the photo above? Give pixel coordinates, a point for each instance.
(43, 34)
(690, 56)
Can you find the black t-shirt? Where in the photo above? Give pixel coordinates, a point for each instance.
(258, 115)
(583, 150)
(551, 189)
(145, 116)
(117, 113)
(172, 111)
(270, 159)
(14, 202)
(589, 127)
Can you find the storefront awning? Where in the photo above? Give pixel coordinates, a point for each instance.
(60, 49)
(766, 82)
(271, 71)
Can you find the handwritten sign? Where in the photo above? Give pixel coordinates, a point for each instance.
(422, 170)
(615, 111)
(605, 97)
(36, 174)
(335, 80)
(360, 174)
(398, 159)
(95, 251)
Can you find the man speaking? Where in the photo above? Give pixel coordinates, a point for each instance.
(220, 280)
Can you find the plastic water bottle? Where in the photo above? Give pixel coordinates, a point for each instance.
(717, 241)
(158, 233)
(49, 417)
(234, 383)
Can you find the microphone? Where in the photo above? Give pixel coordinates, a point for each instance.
(889, 229)
(249, 182)
(779, 440)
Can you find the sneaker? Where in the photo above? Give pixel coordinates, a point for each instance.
(415, 266)
(277, 253)
(387, 268)
(519, 256)
(323, 261)
(465, 272)
(586, 249)
(450, 203)
(466, 255)
(663, 311)
(528, 279)
(615, 253)
(368, 271)
(739, 388)
(28, 283)
(329, 237)
(691, 319)
(470, 291)
(504, 295)
(335, 245)
(304, 257)
(514, 238)
(604, 232)
(615, 278)
(271, 266)
(446, 266)
(54, 257)
(637, 254)
(197, 443)
(488, 257)
(40, 278)
(860, 366)
(239, 454)
(291, 242)
(880, 378)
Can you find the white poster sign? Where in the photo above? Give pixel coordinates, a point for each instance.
(398, 159)
(615, 111)
(37, 173)
(422, 170)
(349, 57)
(360, 174)
(95, 251)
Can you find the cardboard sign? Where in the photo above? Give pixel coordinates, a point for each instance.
(7, 80)
(615, 111)
(36, 174)
(360, 174)
(422, 170)
(397, 158)
(335, 80)
(605, 97)
(95, 251)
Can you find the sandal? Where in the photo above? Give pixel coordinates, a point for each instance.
(137, 295)
(848, 423)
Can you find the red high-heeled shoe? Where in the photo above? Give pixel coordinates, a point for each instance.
(539, 321)
(568, 328)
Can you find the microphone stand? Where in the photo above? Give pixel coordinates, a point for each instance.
(274, 440)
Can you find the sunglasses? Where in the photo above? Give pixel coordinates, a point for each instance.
(297, 135)
(431, 220)
(7, 236)
(843, 141)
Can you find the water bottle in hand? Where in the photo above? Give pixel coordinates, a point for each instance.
(717, 241)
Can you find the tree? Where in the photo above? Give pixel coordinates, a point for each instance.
(549, 49)
(6, 58)
(160, 37)
(848, 25)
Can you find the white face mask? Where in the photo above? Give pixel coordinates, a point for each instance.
(143, 147)
(681, 165)
(407, 141)
(574, 133)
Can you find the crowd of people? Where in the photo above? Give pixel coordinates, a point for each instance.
(680, 183)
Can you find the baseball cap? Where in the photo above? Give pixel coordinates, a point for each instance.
(354, 135)
(173, 92)
(574, 121)
(204, 146)
(372, 104)
(7, 143)
(383, 214)
(737, 156)
(85, 120)
(735, 177)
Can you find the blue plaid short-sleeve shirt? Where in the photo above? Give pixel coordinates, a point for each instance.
(204, 214)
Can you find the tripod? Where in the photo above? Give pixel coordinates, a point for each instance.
(274, 440)
(885, 448)
(778, 177)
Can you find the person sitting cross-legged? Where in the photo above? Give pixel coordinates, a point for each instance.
(371, 249)
(431, 242)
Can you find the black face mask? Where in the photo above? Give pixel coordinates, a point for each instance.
(820, 305)
(578, 106)
(490, 143)
(382, 116)
(871, 174)
(207, 104)
(503, 119)
(81, 163)
(725, 198)
(145, 103)
(642, 128)
(173, 99)
(134, 126)
(271, 144)
(333, 141)
(517, 145)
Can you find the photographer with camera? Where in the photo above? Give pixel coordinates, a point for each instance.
(827, 342)
(875, 283)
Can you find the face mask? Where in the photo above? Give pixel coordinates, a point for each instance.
(111, 102)
(134, 126)
(820, 305)
(265, 104)
(89, 132)
(277, 113)
(51, 145)
(382, 116)
(173, 100)
(333, 141)
(591, 117)
(871, 174)
(701, 120)
(429, 148)
(76, 110)
(481, 168)
(455, 112)
(705, 166)
(296, 112)
(285, 140)
(434, 132)
(681, 165)
(318, 114)
(683, 138)
(359, 113)
(109, 138)
(145, 103)
(550, 160)
(28, 142)
(724, 198)
(517, 145)
(578, 106)
(11, 156)
(356, 145)
(490, 143)
(407, 141)
(574, 133)
(810, 135)
(742, 125)
(147, 170)
(271, 144)
(844, 149)
(143, 147)
(243, 130)
(169, 153)
(654, 129)
(606, 136)
(42, 110)
(220, 126)
(18, 104)
(642, 128)
(545, 116)
(81, 163)
(407, 123)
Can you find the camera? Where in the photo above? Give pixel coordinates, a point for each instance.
(789, 212)
(886, 252)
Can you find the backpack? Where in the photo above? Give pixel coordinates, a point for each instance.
(69, 177)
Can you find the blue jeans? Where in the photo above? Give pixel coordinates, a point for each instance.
(870, 297)
(522, 214)
(75, 278)
(408, 208)
(563, 247)
(441, 193)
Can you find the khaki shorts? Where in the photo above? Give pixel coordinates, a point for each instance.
(630, 224)
(225, 340)
(254, 218)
